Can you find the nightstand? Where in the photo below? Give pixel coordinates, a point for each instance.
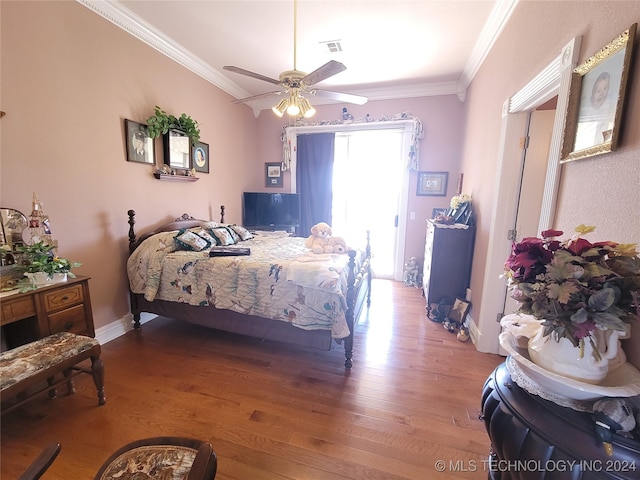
(60, 307)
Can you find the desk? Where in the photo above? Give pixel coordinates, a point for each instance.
(60, 307)
(536, 432)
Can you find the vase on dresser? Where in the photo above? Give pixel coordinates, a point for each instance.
(42, 278)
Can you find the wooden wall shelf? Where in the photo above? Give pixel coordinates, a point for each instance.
(175, 178)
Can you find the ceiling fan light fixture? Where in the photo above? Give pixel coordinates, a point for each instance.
(293, 109)
(281, 107)
(306, 109)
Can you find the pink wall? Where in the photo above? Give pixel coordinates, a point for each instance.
(601, 191)
(69, 79)
(440, 149)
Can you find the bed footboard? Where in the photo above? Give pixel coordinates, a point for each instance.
(358, 293)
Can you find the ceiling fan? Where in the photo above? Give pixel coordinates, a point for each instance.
(295, 83)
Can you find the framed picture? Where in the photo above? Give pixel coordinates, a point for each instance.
(457, 315)
(273, 174)
(596, 100)
(140, 146)
(177, 149)
(432, 183)
(200, 157)
(438, 211)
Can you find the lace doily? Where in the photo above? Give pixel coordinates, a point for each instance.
(527, 383)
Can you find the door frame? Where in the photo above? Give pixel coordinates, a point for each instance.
(555, 79)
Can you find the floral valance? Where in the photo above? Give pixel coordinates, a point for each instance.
(410, 124)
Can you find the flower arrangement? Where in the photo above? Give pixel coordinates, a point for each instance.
(460, 211)
(40, 257)
(575, 286)
(458, 200)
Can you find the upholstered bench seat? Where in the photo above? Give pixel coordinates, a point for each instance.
(23, 368)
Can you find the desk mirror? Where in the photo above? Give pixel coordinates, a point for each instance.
(13, 223)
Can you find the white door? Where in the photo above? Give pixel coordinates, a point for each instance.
(368, 176)
(534, 170)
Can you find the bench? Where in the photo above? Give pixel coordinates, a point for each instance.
(24, 369)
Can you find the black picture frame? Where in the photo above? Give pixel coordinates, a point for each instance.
(176, 148)
(432, 184)
(200, 157)
(140, 146)
(596, 100)
(273, 174)
(459, 311)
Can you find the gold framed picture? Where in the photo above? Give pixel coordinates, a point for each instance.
(596, 100)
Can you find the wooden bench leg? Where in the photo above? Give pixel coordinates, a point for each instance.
(71, 388)
(53, 393)
(97, 371)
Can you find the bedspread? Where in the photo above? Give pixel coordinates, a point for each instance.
(281, 279)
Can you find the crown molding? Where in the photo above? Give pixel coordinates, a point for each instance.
(124, 18)
(492, 29)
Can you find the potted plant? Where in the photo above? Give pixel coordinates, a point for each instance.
(41, 265)
(161, 122)
(580, 294)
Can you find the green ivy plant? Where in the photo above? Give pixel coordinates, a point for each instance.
(161, 122)
(40, 257)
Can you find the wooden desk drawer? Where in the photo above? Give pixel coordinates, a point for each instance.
(69, 320)
(62, 298)
(17, 309)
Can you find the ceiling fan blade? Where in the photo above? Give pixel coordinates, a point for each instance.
(242, 71)
(342, 97)
(257, 97)
(327, 70)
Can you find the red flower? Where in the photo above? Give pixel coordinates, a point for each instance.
(529, 258)
(551, 233)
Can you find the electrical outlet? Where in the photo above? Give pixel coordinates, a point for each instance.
(468, 295)
(412, 216)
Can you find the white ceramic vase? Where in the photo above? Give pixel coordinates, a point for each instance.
(41, 278)
(563, 358)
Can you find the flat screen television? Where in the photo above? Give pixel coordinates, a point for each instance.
(271, 210)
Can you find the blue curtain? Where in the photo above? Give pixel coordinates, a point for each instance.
(314, 177)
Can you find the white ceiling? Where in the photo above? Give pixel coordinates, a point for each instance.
(391, 48)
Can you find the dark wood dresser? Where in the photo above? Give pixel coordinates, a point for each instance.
(533, 438)
(60, 307)
(448, 255)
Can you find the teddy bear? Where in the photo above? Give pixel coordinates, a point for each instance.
(318, 241)
(338, 245)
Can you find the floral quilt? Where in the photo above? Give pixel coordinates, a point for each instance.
(280, 279)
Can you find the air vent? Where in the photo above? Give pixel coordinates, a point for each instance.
(332, 46)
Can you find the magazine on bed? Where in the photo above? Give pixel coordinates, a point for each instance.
(229, 251)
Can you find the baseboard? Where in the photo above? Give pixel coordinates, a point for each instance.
(121, 326)
(475, 334)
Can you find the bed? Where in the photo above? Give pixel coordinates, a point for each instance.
(267, 285)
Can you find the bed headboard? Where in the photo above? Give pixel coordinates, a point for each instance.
(183, 221)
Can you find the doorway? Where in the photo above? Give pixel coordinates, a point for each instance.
(534, 168)
(553, 80)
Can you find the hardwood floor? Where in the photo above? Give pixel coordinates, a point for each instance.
(273, 411)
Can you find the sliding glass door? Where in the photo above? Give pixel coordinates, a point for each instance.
(368, 177)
